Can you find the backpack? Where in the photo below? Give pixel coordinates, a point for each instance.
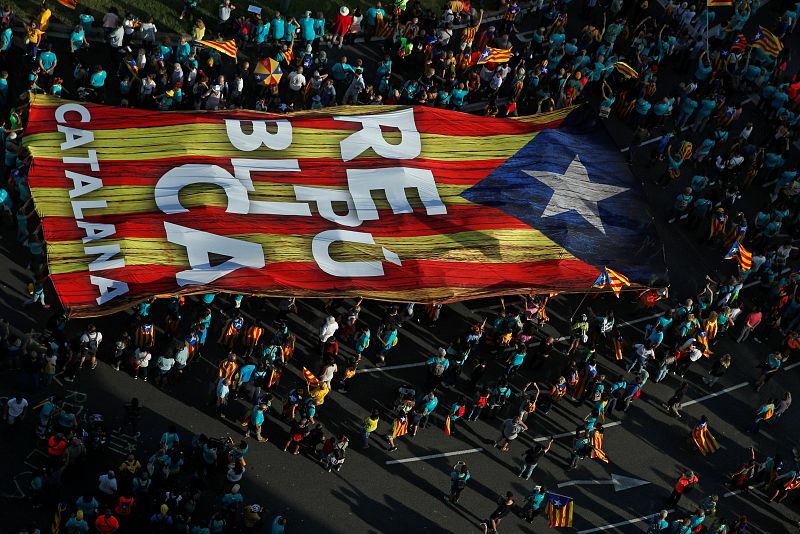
(460, 411)
(438, 368)
(482, 401)
(92, 344)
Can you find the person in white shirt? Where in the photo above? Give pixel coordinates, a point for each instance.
(16, 409)
(108, 483)
(116, 36)
(182, 358)
(146, 89)
(148, 31)
(328, 372)
(222, 391)
(356, 86)
(296, 80)
(225, 9)
(90, 343)
(165, 364)
(329, 328)
(142, 362)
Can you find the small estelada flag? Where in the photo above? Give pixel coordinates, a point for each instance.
(447, 424)
(312, 380)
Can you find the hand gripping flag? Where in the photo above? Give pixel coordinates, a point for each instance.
(704, 440)
(767, 42)
(224, 47)
(744, 256)
(558, 510)
(494, 55)
(391, 203)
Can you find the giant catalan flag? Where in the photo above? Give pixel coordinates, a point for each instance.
(393, 203)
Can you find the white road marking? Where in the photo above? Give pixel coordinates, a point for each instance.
(620, 483)
(432, 456)
(621, 523)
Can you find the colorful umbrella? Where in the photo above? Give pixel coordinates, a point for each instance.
(268, 72)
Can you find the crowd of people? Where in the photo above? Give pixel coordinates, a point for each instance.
(736, 179)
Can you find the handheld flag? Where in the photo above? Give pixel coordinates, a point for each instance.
(71, 4)
(447, 424)
(744, 256)
(719, 3)
(312, 380)
(558, 510)
(741, 43)
(494, 55)
(441, 206)
(704, 440)
(612, 279)
(767, 42)
(400, 427)
(625, 69)
(224, 47)
(596, 442)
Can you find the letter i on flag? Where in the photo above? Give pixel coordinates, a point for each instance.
(558, 510)
(447, 424)
(312, 380)
(744, 256)
(72, 4)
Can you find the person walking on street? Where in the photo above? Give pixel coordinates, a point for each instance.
(504, 507)
(718, 369)
(510, 431)
(221, 395)
(370, 425)
(751, 321)
(256, 421)
(531, 458)
(458, 481)
(673, 405)
(685, 484)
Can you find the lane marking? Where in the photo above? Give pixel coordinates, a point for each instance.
(432, 456)
(621, 523)
(729, 389)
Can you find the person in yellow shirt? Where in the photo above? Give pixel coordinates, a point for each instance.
(370, 426)
(33, 38)
(44, 17)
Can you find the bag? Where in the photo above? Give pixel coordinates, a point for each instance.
(438, 368)
(461, 410)
(460, 483)
(482, 401)
(530, 407)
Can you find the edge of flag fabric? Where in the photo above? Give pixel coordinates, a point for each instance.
(70, 4)
(399, 427)
(596, 442)
(224, 47)
(742, 255)
(767, 42)
(719, 3)
(625, 69)
(704, 441)
(559, 510)
(312, 380)
(447, 423)
(617, 280)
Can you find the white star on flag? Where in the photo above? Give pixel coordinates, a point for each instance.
(574, 191)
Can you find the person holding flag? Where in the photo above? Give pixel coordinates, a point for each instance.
(457, 411)
(764, 413)
(702, 437)
(559, 510)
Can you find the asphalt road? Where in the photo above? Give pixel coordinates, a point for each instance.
(372, 495)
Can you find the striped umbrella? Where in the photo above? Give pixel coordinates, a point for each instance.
(268, 72)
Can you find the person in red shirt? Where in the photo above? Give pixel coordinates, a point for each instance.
(56, 446)
(684, 485)
(106, 523)
(752, 320)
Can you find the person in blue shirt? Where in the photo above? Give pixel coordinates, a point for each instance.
(642, 108)
(77, 39)
(48, 60)
(278, 525)
(278, 27)
(533, 503)
(371, 20)
(681, 206)
(704, 112)
(685, 111)
(98, 81)
(420, 419)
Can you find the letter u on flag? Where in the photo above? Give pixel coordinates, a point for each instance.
(558, 510)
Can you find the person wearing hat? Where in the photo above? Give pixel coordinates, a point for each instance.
(252, 517)
(341, 26)
(77, 523)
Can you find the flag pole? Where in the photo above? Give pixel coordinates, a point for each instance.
(707, 31)
(578, 307)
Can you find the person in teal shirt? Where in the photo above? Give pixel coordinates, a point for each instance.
(98, 80)
(612, 32)
(5, 39)
(48, 60)
(704, 68)
(77, 524)
(687, 108)
(262, 32)
(77, 39)
(307, 33)
(290, 30)
(779, 99)
(662, 108)
(86, 21)
(642, 108)
(681, 205)
(278, 27)
(183, 50)
(278, 525)
(533, 503)
(704, 111)
(384, 67)
(319, 25)
(371, 20)
(457, 97)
